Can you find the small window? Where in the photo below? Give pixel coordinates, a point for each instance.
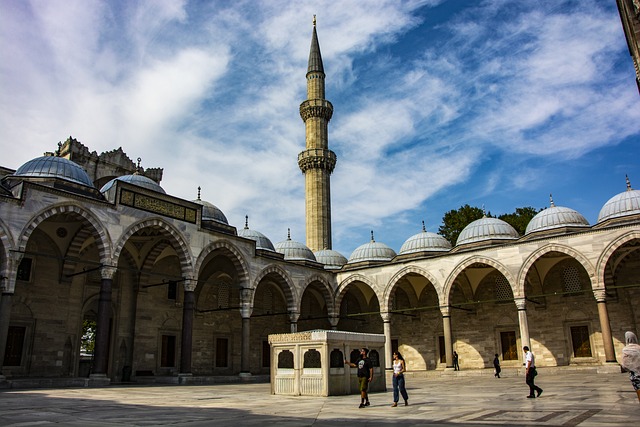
(572, 281)
(222, 353)
(172, 290)
(24, 269)
(15, 343)
(168, 356)
(336, 359)
(285, 359)
(375, 358)
(503, 290)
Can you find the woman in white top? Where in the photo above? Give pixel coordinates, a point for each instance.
(399, 368)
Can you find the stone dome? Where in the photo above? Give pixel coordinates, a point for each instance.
(294, 251)
(425, 241)
(135, 179)
(54, 167)
(330, 258)
(486, 229)
(262, 241)
(210, 212)
(556, 217)
(372, 251)
(623, 204)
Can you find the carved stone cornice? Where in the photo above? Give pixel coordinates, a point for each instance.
(317, 158)
(316, 108)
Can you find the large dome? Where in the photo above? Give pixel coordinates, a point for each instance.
(54, 167)
(623, 204)
(294, 251)
(330, 258)
(210, 212)
(556, 217)
(135, 179)
(486, 229)
(372, 251)
(425, 241)
(262, 241)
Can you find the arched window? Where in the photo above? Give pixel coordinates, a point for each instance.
(285, 359)
(312, 359)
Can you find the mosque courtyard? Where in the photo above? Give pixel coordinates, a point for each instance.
(570, 398)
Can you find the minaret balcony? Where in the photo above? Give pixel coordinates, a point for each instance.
(316, 108)
(317, 158)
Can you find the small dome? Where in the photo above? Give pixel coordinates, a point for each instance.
(555, 217)
(262, 241)
(135, 179)
(330, 258)
(372, 251)
(486, 229)
(623, 204)
(210, 212)
(55, 167)
(294, 251)
(425, 241)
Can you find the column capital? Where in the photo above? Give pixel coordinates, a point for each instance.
(521, 303)
(445, 310)
(386, 316)
(190, 284)
(600, 295)
(108, 271)
(294, 316)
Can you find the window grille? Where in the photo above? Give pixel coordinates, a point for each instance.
(572, 280)
(503, 290)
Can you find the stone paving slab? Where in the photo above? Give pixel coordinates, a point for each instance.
(569, 399)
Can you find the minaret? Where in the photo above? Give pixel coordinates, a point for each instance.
(317, 161)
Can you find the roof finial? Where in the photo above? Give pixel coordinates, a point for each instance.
(484, 211)
(314, 20)
(59, 149)
(372, 239)
(246, 222)
(424, 229)
(628, 183)
(288, 234)
(137, 172)
(551, 204)
(199, 192)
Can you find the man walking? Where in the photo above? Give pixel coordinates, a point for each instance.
(365, 375)
(530, 365)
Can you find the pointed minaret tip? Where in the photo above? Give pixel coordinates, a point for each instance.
(551, 204)
(628, 183)
(288, 234)
(314, 20)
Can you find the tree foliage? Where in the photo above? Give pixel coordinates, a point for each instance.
(454, 221)
(520, 218)
(88, 339)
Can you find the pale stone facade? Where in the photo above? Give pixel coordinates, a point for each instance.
(176, 293)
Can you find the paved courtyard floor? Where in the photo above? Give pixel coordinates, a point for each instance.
(569, 399)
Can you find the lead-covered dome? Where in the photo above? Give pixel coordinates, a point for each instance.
(555, 217)
(262, 241)
(210, 212)
(330, 258)
(623, 204)
(484, 229)
(54, 167)
(372, 251)
(425, 241)
(294, 251)
(135, 179)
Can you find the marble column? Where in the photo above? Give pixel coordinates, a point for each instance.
(246, 307)
(605, 325)
(448, 341)
(187, 326)
(101, 352)
(521, 304)
(7, 286)
(388, 350)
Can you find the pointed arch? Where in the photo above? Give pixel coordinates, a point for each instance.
(346, 282)
(289, 290)
(537, 254)
(326, 289)
(603, 259)
(411, 269)
(182, 249)
(476, 259)
(232, 252)
(89, 220)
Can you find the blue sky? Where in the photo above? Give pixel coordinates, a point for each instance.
(436, 103)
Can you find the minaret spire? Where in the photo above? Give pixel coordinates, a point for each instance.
(317, 162)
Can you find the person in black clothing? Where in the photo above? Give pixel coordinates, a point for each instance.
(365, 375)
(456, 367)
(496, 366)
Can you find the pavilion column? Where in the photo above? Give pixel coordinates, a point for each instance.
(386, 321)
(246, 296)
(521, 304)
(448, 341)
(605, 325)
(186, 346)
(101, 352)
(293, 319)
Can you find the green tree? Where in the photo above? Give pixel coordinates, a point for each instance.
(88, 339)
(454, 221)
(520, 218)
